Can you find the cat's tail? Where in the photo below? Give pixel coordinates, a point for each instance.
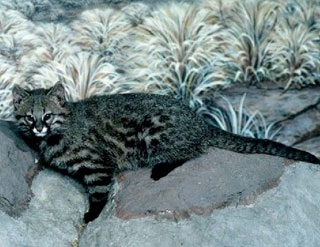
(241, 144)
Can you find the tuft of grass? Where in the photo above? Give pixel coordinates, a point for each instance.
(250, 25)
(17, 38)
(25, 7)
(16, 43)
(219, 11)
(14, 48)
(54, 43)
(239, 121)
(8, 77)
(12, 21)
(58, 41)
(136, 12)
(104, 32)
(298, 56)
(175, 52)
(297, 45)
(305, 12)
(83, 75)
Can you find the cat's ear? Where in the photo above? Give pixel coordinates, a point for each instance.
(58, 93)
(18, 94)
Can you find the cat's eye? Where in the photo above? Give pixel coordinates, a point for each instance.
(46, 117)
(29, 118)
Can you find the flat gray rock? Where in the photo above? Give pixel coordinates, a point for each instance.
(283, 105)
(16, 170)
(312, 145)
(301, 127)
(52, 217)
(214, 180)
(209, 201)
(287, 215)
(297, 112)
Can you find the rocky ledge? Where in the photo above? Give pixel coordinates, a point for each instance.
(214, 180)
(221, 198)
(287, 215)
(296, 112)
(17, 168)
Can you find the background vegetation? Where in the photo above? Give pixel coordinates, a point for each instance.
(190, 51)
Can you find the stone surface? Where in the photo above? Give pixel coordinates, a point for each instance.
(312, 145)
(287, 215)
(16, 170)
(297, 112)
(54, 212)
(301, 127)
(178, 210)
(214, 180)
(273, 103)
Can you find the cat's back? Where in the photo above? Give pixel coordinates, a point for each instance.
(135, 105)
(143, 115)
(131, 100)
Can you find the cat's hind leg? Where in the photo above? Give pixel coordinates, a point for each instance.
(97, 179)
(163, 169)
(97, 201)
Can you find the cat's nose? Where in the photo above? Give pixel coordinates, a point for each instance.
(39, 128)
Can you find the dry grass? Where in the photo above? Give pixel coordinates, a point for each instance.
(54, 43)
(297, 44)
(302, 12)
(188, 51)
(83, 75)
(8, 77)
(269, 40)
(297, 56)
(103, 32)
(176, 53)
(17, 38)
(79, 55)
(16, 44)
(250, 26)
(12, 21)
(136, 12)
(219, 11)
(57, 44)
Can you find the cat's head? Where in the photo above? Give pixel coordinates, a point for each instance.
(39, 112)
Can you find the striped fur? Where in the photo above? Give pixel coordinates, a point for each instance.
(94, 139)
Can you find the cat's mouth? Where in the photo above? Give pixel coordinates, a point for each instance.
(40, 133)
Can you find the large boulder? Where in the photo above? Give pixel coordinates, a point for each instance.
(287, 215)
(214, 180)
(17, 167)
(53, 217)
(212, 200)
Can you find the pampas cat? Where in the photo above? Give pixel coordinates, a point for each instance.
(93, 139)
